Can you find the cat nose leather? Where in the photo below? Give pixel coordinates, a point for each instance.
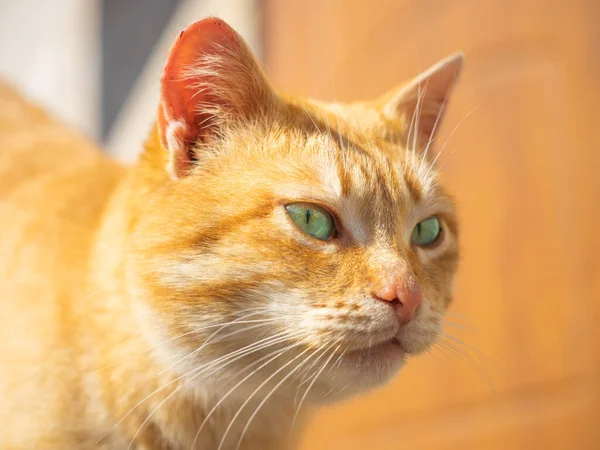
(405, 301)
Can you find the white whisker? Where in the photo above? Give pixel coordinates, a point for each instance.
(273, 358)
(311, 385)
(150, 416)
(236, 415)
(264, 400)
(209, 339)
(448, 139)
(254, 347)
(472, 362)
(419, 108)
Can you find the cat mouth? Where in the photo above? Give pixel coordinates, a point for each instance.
(389, 348)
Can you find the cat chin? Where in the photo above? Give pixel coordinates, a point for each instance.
(355, 373)
(360, 371)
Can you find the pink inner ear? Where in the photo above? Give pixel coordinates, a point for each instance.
(180, 102)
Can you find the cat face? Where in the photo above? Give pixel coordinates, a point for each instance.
(280, 238)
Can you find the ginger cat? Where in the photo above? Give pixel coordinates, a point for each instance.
(265, 255)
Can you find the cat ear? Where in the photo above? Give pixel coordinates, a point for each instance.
(420, 104)
(210, 79)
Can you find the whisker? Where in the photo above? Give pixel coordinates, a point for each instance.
(195, 370)
(146, 350)
(252, 350)
(432, 135)
(307, 375)
(311, 385)
(338, 361)
(311, 119)
(236, 415)
(446, 160)
(461, 342)
(448, 139)
(150, 416)
(342, 389)
(166, 341)
(443, 352)
(459, 317)
(209, 339)
(264, 400)
(419, 107)
(273, 358)
(412, 125)
(457, 325)
(472, 362)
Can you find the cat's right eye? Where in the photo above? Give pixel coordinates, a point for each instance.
(312, 220)
(426, 232)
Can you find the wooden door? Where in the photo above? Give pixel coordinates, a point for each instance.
(524, 168)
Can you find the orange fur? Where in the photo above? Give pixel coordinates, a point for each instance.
(121, 287)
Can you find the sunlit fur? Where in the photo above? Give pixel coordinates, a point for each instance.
(124, 292)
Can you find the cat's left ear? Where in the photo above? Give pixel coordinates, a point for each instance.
(211, 80)
(420, 104)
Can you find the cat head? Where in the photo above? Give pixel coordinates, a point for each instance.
(278, 236)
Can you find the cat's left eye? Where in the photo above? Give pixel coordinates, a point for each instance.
(426, 232)
(312, 220)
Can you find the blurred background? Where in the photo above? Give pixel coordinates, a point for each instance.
(522, 367)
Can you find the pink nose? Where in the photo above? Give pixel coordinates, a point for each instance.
(404, 301)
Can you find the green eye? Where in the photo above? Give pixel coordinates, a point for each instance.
(312, 219)
(426, 232)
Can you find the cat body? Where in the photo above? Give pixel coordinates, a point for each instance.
(62, 331)
(174, 304)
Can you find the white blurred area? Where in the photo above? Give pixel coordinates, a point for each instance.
(50, 51)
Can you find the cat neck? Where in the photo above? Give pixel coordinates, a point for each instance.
(144, 401)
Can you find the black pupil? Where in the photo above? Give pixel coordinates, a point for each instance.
(419, 228)
(307, 216)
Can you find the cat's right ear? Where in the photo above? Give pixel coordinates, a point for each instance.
(210, 80)
(419, 105)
